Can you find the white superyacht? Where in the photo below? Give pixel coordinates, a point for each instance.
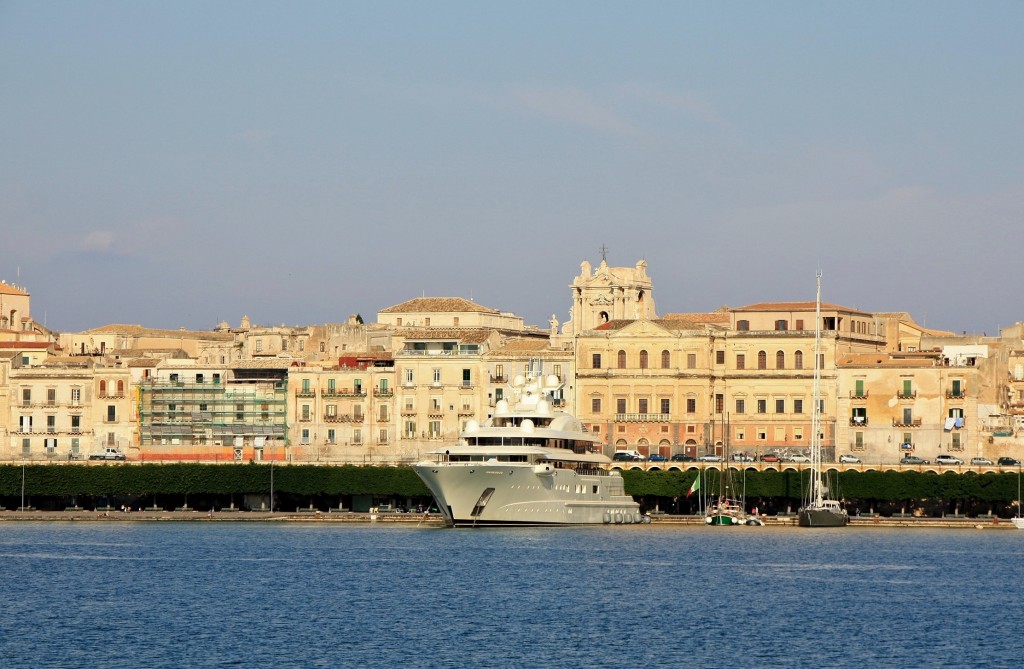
(528, 464)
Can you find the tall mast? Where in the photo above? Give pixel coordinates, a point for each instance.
(815, 492)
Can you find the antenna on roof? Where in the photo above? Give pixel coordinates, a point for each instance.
(604, 253)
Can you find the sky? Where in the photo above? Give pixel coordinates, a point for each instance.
(178, 164)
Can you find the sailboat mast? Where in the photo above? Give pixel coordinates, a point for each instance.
(815, 492)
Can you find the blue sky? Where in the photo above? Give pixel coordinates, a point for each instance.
(176, 164)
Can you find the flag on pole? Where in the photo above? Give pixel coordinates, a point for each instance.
(695, 487)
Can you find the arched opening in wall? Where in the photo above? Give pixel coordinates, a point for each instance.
(780, 360)
(643, 359)
(666, 360)
(690, 448)
(620, 442)
(603, 317)
(622, 359)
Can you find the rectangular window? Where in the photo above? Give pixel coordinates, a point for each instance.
(76, 424)
(620, 405)
(408, 377)
(691, 360)
(762, 406)
(642, 405)
(239, 412)
(907, 387)
(908, 416)
(357, 436)
(691, 405)
(305, 412)
(305, 436)
(741, 361)
(259, 345)
(26, 396)
(410, 429)
(111, 413)
(798, 406)
(331, 438)
(467, 378)
(956, 444)
(595, 405)
(720, 357)
(26, 446)
(558, 371)
(719, 403)
(51, 423)
(596, 361)
(435, 429)
(382, 436)
(75, 445)
(741, 406)
(332, 410)
(665, 406)
(437, 376)
(76, 395)
(780, 406)
(858, 441)
(799, 324)
(51, 396)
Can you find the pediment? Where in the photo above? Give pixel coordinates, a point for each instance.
(644, 328)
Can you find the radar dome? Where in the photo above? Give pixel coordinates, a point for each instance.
(552, 381)
(501, 407)
(518, 381)
(472, 425)
(527, 425)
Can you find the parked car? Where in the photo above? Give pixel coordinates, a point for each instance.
(947, 459)
(770, 457)
(626, 456)
(107, 454)
(798, 458)
(683, 457)
(1008, 462)
(710, 457)
(980, 461)
(913, 460)
(741, 457)
(848, 458)
(657, 457)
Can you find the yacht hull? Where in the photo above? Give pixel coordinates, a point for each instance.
(822, 518)
(482, 494)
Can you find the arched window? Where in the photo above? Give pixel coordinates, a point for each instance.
(798, 360)
(780, 360)
(666, 359)
(120, 387)
(103, 388)
(762, 360)
(643, 359)
(622, 359)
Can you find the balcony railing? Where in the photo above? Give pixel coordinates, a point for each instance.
(859, 421)
(344, 392)
(905, 395)
(383, 392)
(862, 395)
(898, 422)
(956, 394)
(305, 392)
(501, 378)
(642, 417)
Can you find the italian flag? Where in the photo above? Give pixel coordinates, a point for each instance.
(695, 487)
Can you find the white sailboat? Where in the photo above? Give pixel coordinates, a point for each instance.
(818, 510)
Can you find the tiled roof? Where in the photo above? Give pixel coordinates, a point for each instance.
(154, 332)
(8, 289)
(437, 305)
(24, 345)
(613, 325)
(716, 317)
(467, 335)
(797, 306)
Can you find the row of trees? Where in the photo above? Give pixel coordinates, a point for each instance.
(665, 489)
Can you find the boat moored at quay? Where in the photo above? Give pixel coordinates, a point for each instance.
(529, 463)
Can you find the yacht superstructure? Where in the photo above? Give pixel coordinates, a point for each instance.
(529, 463)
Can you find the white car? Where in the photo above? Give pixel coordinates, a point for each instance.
(947, 459)
(798, 458)
(848, 458)
(710, 458)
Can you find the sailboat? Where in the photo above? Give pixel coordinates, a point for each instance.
(724, 509)
(819, 511)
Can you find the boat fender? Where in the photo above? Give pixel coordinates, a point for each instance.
(607, 517)
(647, 519)
(637, 518)
(708, 520)
(618, 518)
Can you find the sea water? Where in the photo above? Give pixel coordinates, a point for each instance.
(146, 595)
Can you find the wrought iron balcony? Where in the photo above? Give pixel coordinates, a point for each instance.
(642, 417)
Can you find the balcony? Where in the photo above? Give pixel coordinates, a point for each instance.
(854, 395)
(344, 392)
(914, 422)
(383, 392)
(344, 418)
(642, 417)
(956, 394)
(501, 378)
(305, 392)
(858, 421)
(905, 395)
